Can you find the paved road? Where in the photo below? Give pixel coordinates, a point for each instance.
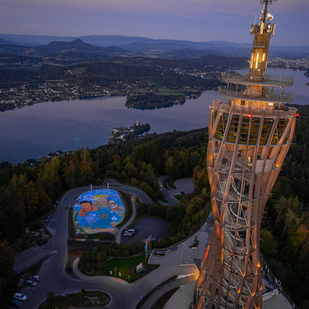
(55, 279)
(146, 227)
(183, 186)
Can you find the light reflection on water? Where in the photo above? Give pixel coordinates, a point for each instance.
(36, 130)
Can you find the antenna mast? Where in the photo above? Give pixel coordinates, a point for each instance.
(265, 8)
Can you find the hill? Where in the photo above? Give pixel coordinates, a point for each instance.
(157, 46)
(56, 47)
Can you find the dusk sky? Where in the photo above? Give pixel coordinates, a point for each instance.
(194, 20)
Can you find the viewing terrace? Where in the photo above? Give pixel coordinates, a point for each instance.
(275, 97)
(269, 80)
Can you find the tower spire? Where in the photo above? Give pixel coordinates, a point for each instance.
(265, 11)
(262, 31)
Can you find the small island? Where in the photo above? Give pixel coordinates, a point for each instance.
(123, 134)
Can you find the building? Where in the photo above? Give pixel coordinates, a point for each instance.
(250, 132)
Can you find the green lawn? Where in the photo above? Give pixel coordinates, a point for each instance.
(126, 266)
(78, 300)
(164, 200)
(11, 97)
(171, 184)
(134, 221)
(34, 269)
(168, 184)
(165, 185)
(178, 197)
(167, 91)
(101, 236)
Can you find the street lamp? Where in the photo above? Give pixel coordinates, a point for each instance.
(129, 278)
(115, 271)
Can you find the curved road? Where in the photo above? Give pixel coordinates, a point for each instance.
(123, 294)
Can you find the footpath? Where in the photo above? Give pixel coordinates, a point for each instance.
(175, 263)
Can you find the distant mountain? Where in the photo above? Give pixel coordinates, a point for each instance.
(151, 46)
(79, 46)
(55, 47)
(78, 43)
(3, 42)
(33, 40)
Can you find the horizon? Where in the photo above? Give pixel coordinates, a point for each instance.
(191, 20)
(135, 36)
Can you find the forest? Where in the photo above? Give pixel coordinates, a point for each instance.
(152, 101)
(28, 193)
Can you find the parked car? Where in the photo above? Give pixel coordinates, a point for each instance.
(20, 296)
(31, 283)
(126, 233)
(159, 253)
(42, 242)
(35, 278)
(47, 218)
(132, 231)
(15, 303)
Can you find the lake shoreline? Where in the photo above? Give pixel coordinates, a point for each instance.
(41, 129)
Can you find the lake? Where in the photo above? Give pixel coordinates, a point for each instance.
(36, 130)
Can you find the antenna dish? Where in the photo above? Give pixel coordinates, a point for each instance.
(270, 17)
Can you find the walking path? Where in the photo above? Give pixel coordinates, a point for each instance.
(81, 276)
(133, 201)
(179, 262)
(183, 186)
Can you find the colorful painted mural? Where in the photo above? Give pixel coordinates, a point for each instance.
(97, 211)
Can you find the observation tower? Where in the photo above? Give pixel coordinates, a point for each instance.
(250, 132)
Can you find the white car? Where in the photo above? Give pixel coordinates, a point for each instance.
(127, 234)
(35, 278)
(20, 296)
(31, 283)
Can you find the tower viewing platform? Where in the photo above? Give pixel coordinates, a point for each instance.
(269, 80)
(266, 96)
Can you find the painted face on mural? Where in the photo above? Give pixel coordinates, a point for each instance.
(86, 208)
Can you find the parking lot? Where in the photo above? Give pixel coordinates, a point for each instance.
(144, 228)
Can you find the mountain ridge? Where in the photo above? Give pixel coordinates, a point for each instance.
(144, 45)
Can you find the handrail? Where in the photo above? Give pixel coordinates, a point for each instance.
(278, 284)
(184, 240)
(267, 97)
(277, 79)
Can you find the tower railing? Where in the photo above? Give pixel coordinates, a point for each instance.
(267, 110)
(276, 80)
(264, 97)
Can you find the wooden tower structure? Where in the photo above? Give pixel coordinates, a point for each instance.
(250, 132)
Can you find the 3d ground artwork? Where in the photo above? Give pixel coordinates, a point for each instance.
(98, 211)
